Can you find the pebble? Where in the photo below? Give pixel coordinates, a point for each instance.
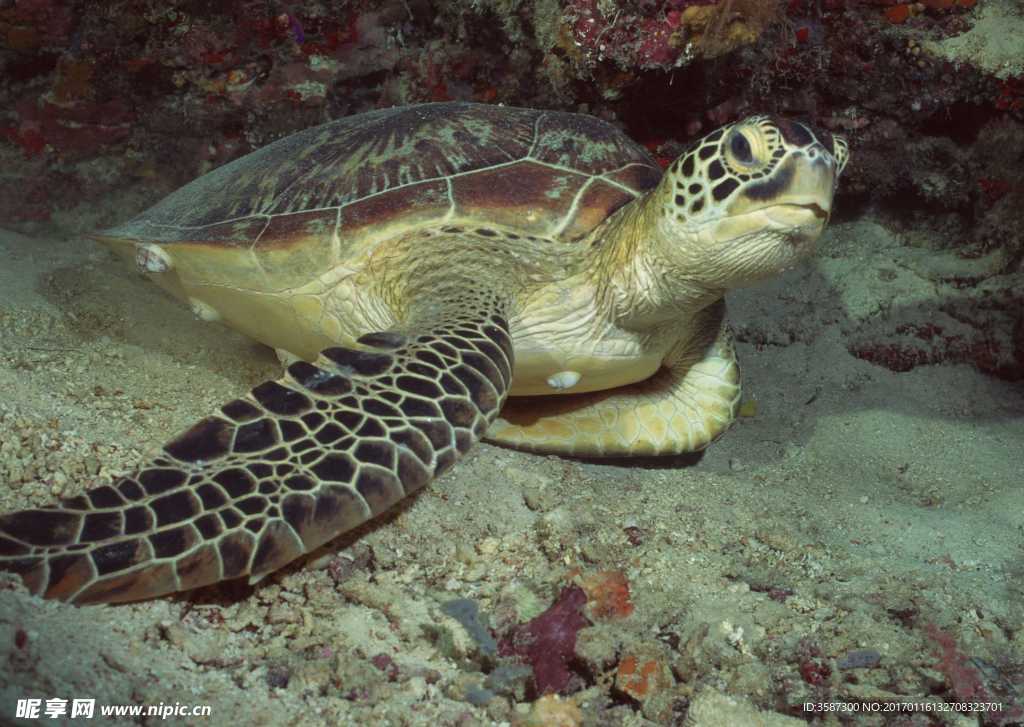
(538, 498)
(174, 633)
(278, 676)
(465, 554)
(92, 466)
(488, 546)
(283, 613)
(44, 458)
(859, 659)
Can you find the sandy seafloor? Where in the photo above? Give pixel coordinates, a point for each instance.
(856, 509)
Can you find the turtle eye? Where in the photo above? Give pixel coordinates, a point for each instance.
(740, 149)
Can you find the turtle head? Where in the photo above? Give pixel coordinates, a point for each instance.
(749, 199)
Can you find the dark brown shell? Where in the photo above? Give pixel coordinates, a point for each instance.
(541, 172)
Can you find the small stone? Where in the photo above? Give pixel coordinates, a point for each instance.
(278, 676)
(416, 688)
(552, 710)
(643, 676)
(479, 697)
(634, 535)
(283, 613)
(859, 659)
(537, 498)
(387, 665)
(204, 648)
(510, 680)
(488, 546)
(711, 708)
(465, 554)
(174, 633)
(467, 613)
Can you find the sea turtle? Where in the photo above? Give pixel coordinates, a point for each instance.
(418, 265)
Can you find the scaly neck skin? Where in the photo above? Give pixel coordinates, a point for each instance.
(641, 285)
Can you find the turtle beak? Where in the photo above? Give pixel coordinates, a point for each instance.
(808, 218)
(812, 208)
(811, 187)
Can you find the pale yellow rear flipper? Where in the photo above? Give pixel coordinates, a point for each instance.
(685, 406)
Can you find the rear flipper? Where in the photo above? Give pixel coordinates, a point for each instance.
(280, 471)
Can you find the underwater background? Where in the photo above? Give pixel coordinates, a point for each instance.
(855, 539)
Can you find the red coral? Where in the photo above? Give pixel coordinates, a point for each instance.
(27, 136)
(641, 679)
(82, 127)
(965, 680)
(628, 37)
(815, 672)
(658, 43)
(992, 189)
(39, 23)
(548, 642)
(1011, 94)
(898, 13)
(387, 665)
(607, 594)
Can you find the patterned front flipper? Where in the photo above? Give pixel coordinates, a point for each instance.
(279, 472)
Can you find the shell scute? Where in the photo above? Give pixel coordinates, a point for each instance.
(636, 176)
(584, 143)
(340, 187)
(407, 205)
(527, 196)
(593, 207)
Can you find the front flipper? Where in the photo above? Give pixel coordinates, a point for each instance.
(280, 471)
(685, 406)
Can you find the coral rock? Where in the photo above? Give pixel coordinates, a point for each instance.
(548, 642)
